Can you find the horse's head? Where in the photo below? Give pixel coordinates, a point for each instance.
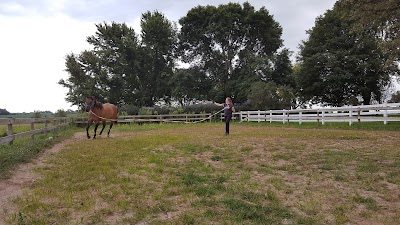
(90, 102)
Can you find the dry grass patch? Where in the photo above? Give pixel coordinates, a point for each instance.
(192, 174)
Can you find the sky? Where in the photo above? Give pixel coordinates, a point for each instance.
(36, 35)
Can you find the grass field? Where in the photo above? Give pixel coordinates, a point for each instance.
(192, 174)
(24, 150)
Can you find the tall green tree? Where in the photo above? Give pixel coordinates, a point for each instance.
(222, 41)
(120, 68)
(109, 71)
(382, 17)
(269, 95)
(338, 65)
(282, 68)
(159, 40)
(189, 85)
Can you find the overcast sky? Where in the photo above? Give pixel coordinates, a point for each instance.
(36, 35)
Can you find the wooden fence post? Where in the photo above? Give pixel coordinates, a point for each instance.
(10, 132)
(46, 125)
(323, 117)
(33, 128)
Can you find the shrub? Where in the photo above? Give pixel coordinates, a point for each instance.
(60, 113)
(129, 109)
(146, 111)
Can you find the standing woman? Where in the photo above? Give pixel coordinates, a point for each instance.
(228, 109)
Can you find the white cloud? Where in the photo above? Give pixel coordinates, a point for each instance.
(32, 57)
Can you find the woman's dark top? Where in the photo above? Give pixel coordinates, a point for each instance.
(228, 110)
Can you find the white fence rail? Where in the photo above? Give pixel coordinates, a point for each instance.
(364, 113)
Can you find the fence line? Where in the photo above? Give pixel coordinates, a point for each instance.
(57, 122)
(363, 113)
(165, 118)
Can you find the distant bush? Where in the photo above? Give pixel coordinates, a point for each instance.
(201, 108)
(163, 110)
(37, 114)
(146, 111)
(60, 113)
(129, 109)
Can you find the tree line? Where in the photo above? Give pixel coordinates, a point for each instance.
(235, 50)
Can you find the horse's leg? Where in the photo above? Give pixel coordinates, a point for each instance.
(95, 130)
(111, 124)
(87, 128)
(104, 125)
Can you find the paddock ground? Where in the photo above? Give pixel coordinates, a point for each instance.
(193, 174)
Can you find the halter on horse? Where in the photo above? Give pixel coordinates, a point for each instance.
(100, 112)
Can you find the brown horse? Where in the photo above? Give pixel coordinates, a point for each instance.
(100, 112)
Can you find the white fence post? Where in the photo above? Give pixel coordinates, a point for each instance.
(283, 117)
(323, 116)
(385, 114)
(350, 116)
(270, 116)
(300, 119)
(258, 117)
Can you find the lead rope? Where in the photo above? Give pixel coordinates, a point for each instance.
(101, 117)
(199, 121)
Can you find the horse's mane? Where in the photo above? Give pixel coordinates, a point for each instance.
(98, 104)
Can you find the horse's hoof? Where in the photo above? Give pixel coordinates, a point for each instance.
(88, 137)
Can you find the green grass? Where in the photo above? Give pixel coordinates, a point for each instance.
(193, 174)
(19, 128)
(24, 150)
(337, 125)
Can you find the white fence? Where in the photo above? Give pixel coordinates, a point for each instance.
(363, 113)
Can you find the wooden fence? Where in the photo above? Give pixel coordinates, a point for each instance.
(55, 122)
(364, 113)
(167, 118)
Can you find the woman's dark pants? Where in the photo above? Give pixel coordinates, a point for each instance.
(227, 120)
